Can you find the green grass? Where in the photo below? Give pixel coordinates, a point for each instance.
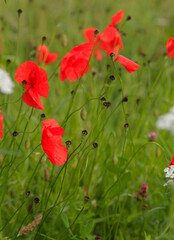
(124, 158)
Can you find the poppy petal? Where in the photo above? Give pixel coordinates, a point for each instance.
(128, 64)
(117, 17)
(170, 47)
(31, 98)
(51, 57)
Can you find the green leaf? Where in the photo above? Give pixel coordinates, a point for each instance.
(65, 219)
(87, 228)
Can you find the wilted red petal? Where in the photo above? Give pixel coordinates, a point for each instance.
(117, 17)
(52, 142)
(170, 47)
(128, 64)
(1, 120)
(31, 98)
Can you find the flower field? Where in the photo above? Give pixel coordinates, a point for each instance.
(86, 120)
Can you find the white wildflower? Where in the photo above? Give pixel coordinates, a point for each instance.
(166, 121)
(169, 174)
(6, 83)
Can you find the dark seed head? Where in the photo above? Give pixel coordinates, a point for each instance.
(68, 143)
(36, 200)
(15, 133)
(72, 92)
(8, 61)
(138, 100)
(95, 145)
(93, 73)
(129, 18)
(108, 66)
(112, 54)
(125, 99)
(103, 99)
(96, 32)
(86, 198)
(42, 115)
(126, 125)
(24, 82)
(97, 238)
(19, 12)
(84, 132)
(112, 77)
(27, 193)
(107, 104)
(44, 38)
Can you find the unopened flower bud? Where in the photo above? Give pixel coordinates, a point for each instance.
(107, 104)
(83, 113)
(97, 238)
(103, 99)
(84, 132)
(44, 38)
(96, 32)
(129, 18)
(152, 136)
(19, 12)
(8, 61)
(112, 54)
(27, 193)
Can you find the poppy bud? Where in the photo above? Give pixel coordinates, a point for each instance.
(125, 99)
(107, 104)
(27, 193)
(129, 18)
(42, 115)
(138, 100)
(15, 133)
(86, 198)
(36, 200)
(84, 132)
(95, 145)
(112, 77)
(126, 125)
(46, 175)
(83, 113)
(103, 99)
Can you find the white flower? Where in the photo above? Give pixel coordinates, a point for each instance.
(169, 174)
(166, 121)
(6, 83)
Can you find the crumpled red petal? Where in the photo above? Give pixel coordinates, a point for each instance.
(31, 98)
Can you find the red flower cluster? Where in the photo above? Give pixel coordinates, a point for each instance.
(172, 162)
(43, 56)
(76, 62)
(52, 142)
(141, 194)
(1, 120)
(110, 40)
(36, 82)
(170, 47)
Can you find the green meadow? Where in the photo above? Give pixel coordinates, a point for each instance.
(94, 195)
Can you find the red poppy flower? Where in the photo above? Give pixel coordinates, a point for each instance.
(128, 64)
(109, 40)
(172, 162)
(36, 83)
(76, 62)
(170, 47)
(1, 120)
(52, 142)
(44, 56)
